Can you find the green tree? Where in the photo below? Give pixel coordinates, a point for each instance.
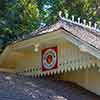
(22, 16)
(86, 9)
(17, 17)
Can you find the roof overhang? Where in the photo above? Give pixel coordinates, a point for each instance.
(54, 34)
(78, 35)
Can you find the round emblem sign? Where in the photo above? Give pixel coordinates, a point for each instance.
(49, 59)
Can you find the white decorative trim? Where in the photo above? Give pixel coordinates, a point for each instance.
(84, 24)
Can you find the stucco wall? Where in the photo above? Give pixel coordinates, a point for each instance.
(89, 78)
(33, 59)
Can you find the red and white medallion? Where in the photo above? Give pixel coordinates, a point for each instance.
(49, 58)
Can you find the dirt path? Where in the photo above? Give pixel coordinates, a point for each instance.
(14, 87)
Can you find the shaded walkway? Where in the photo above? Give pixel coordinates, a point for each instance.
(14, 87)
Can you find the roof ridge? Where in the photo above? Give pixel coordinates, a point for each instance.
(85, 24)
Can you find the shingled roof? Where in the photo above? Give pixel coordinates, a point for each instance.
(86, 33)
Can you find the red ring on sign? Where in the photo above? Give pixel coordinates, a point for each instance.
(49, 58)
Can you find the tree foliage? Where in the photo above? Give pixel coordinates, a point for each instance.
(86, 9)
(17, 17)
(21, 16)
(24, 16)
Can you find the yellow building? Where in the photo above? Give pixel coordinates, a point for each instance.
(67, 47)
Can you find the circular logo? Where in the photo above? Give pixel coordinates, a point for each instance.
(49, 58)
